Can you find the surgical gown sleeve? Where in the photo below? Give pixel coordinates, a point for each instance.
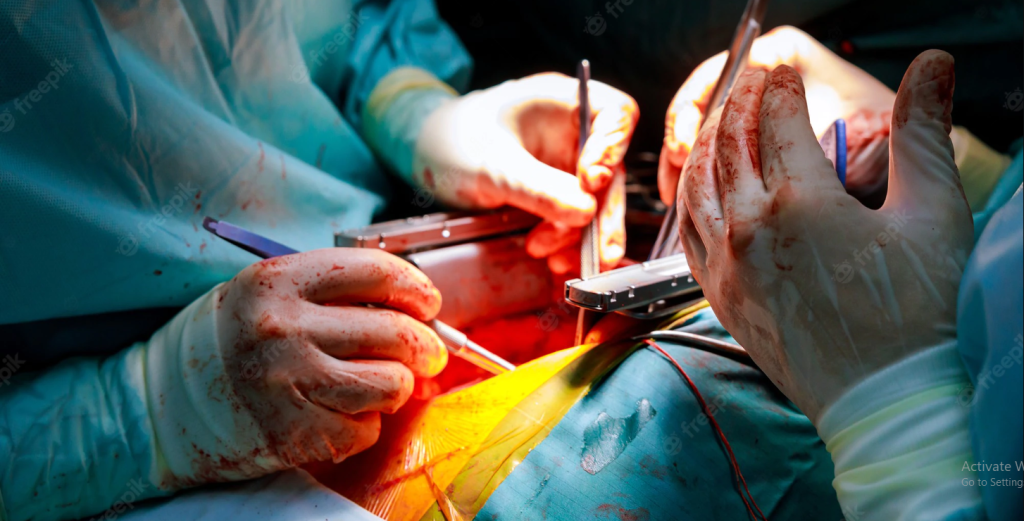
(153, 115)
(991, 337)
(76, 440)
(395, 34)
(406, 61)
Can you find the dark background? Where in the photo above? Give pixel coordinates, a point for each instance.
(649, 47)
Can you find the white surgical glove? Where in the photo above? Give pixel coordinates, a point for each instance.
(834, 87)
(274, 369)
(514, 144)
(850, 311)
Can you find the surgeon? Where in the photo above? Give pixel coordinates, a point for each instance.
(123, 125)
(896, 330)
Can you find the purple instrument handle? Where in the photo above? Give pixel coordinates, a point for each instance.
(248, 241)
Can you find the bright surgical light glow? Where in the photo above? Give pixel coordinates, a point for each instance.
(823, 106)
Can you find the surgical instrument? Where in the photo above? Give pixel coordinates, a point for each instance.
(477, 260)
(456, 342)
(656, 287)
(748, 29)
(436, 230)
(702, 343)
(590, 246)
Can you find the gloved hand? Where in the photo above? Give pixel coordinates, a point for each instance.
(835, 89)
(516, 144)
(850, 311)
(273, 369)
(280, 367)
(823, 291)
(513, 144)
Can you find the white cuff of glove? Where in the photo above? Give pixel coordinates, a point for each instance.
(198, 419)
(395, 112)
(900, 440)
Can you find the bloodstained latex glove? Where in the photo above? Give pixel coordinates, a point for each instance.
(274, 369)
(821, 290)
(834, 89)
(516, 144)
(280, 366)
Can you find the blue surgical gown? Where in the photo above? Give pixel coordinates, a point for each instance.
(990, 326)
(639, 447)
(123, 124)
